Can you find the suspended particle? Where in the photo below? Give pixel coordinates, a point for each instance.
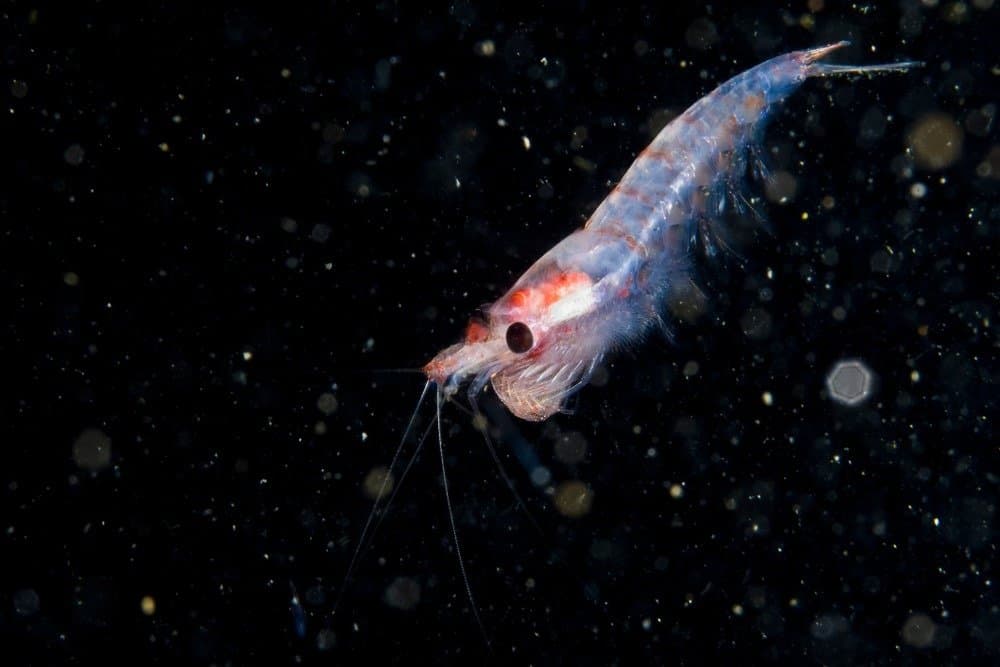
(486, 48)
(541, 476)
(850, 382)
(378, 482)
(26, 602)
(74, 155)
(403, 593)
(919, 630)
(92, 450)
(326, 403)
(573, 499)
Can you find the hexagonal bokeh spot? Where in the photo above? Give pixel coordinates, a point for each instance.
(850, 382)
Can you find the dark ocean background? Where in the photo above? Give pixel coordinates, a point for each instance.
(221, 223)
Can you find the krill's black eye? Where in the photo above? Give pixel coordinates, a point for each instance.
(519, 338)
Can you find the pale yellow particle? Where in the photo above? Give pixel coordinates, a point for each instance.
(148, 605)
(374, 481)
(936, 141)
(573, 499)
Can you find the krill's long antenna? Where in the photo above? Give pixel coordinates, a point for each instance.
(378, 497)
(399, 483)
(454, 530)
(477, 413)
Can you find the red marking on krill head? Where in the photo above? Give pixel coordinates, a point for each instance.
(559, 285)
(476, 331)
(534, 300)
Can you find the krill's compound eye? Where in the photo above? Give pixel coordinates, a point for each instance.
(519, 338)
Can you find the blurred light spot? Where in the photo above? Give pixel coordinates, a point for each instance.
(828, 626)
(403, 593)
(686, 302)
(781, 187)
(850, 382)
(92, 450)
(584, 164)
(148, 605)
(936, 141)
(573, 499)
(676, 491)
(480, 423)
(71, 279)
(18, 88)
(320, 233)
(26, 602)
(979, 121)
(956, 12)
(873, 124)
(74, 155)
(326, 639)
(326, 403)
(486, 48)
(767, 398)
(540, 476)
(882, 261)
(919, 631)
(690, 368)
(990, 167)
(378, 479)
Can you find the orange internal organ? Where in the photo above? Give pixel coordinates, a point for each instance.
(539, 298)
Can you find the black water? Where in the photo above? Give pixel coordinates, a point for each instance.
(218, 223)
